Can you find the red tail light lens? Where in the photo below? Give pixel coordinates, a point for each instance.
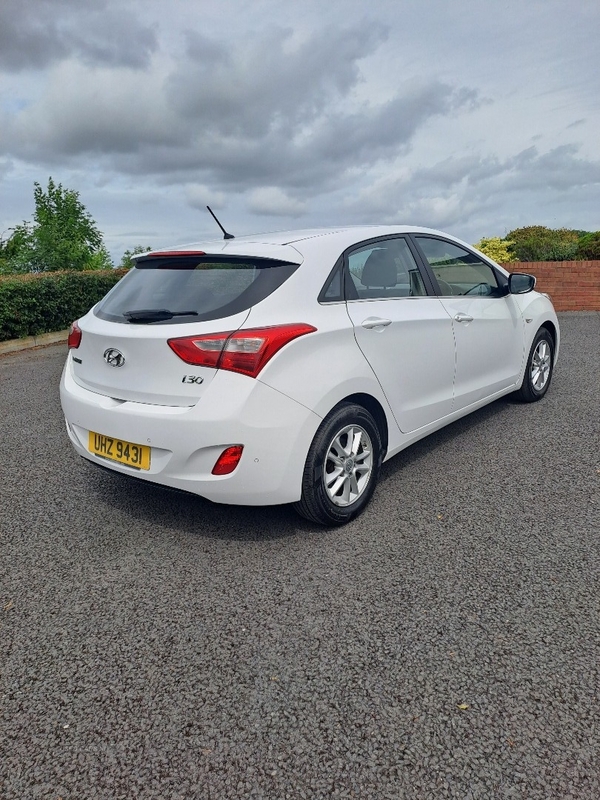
(245, 351)
(74, 339)
(228, 460)
(169, 253)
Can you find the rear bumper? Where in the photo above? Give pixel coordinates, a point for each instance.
(185, 442)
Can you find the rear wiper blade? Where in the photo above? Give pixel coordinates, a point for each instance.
(155, 314)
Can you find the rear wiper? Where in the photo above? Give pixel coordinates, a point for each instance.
(155, 314)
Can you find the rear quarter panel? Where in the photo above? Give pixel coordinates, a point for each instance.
(321, 369)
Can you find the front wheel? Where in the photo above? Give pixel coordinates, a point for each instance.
(342, 466)
(538, 372)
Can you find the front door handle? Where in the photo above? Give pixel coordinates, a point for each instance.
(375, 322)
(460, 317)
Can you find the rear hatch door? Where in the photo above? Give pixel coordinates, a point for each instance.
(135, 362)
(124, 351)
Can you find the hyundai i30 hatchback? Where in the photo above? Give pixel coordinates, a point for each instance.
(286, 368)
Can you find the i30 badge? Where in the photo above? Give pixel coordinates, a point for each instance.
(114, 358)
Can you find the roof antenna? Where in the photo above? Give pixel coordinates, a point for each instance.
(225, 234)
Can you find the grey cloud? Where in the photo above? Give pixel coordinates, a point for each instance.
(84, 113)
(272, 112)
(6, 167)
(268, 84)
(451, 171)
(316, 158)
(205, 51)
(472, 169)
(375, 132)
(272, 201)
(37, 33)
(455, 190)
(559, 169)
(199, 196)
(27, 41)
(114, 37)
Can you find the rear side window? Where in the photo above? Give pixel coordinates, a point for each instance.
(175, 290)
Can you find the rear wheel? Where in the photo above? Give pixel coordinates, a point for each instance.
(342, 466)
(538, 372)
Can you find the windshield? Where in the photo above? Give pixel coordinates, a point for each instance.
(179, 289)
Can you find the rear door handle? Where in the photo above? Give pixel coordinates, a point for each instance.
(460, 317)
(375, 322)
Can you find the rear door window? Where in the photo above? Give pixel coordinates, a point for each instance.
(180, 289)
(384, 269)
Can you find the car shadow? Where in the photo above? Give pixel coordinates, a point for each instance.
(156, 506)
(423, 448)
(182, 513)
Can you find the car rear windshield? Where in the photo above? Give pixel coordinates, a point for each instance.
(180, 289)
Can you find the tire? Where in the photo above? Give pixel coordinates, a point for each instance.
(341, 470)
(540, 365)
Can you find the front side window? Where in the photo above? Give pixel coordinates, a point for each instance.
(457, 271)
(383, 269)
(179, 289)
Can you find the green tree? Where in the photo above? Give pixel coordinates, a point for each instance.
(497, 249)
(538, 243)
(128, 261)
(589, 246)
(14, 252)
(62, 236)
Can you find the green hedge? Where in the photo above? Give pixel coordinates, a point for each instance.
(40, 303)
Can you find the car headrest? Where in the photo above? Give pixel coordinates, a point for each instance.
(379, 269)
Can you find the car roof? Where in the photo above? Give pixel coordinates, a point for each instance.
(288, 244)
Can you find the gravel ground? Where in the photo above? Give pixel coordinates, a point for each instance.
(444, 645)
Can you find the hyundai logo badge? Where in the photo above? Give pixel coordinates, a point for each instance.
(114, 358)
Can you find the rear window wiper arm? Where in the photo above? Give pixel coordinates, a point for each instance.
(155, 314)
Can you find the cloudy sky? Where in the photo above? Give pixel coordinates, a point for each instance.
(474, 116)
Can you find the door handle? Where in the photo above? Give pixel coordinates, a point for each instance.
(460, 317)
(375, 322)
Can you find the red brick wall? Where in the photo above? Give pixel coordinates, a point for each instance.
(572, 285)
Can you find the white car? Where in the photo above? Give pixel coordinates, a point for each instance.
(285, 368)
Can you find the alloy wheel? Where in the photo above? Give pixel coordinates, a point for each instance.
(541, 364)
(348, 465)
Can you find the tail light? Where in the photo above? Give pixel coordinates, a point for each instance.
(74, 339)
(245, 351)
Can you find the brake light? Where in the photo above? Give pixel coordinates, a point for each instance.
(74, 339)
(228, 460)
(164, 253)
(244, 351)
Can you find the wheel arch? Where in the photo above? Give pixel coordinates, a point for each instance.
(375, 409)
(551, 328)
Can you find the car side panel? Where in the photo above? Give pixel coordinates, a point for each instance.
(537, 309)
(413, 356)
(489, 345)
(321, 369)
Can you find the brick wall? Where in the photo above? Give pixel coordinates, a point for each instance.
(572, 285)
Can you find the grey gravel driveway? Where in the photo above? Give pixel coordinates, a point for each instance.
(444, 645)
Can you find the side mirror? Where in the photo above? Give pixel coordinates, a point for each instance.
(520, 283)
